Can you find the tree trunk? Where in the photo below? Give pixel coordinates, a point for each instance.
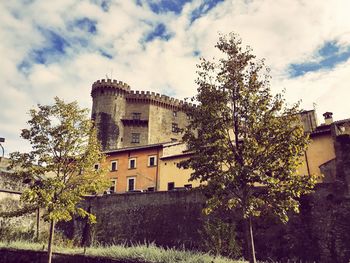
(253, 259)
(37, 224)
(250, 249)
(49, 249)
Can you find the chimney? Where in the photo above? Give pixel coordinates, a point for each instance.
(328, 117)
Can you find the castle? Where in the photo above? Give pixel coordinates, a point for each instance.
(140, 134)
(124, 117)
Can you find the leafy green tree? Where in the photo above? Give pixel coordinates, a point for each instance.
(60, 168)
(246, 143)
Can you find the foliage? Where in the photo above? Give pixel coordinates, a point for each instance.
(19, 227)
(246, 137)
(60, 168)
(10, 231)
(247, 144)
(219, 238)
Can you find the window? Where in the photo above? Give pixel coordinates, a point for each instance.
(113, 187)
(97, 166)
(174, 127)
(171, 186)
(152, 160)
(150, 189)
(174, 113)
(131, 184)
(188, 186)
(114, 166)
(135, 138)
(132, 163)
(136, 115)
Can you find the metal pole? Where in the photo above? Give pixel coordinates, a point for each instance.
(2, 140)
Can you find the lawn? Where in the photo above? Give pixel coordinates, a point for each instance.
(142, 253)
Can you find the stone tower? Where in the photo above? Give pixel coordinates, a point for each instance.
(129, 118)
(108, 105)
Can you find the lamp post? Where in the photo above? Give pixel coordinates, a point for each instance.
(3, 151)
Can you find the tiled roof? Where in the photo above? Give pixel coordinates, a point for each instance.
(140, 147)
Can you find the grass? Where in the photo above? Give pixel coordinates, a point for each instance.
(142, 253)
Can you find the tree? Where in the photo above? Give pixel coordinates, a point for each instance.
(246, 143)
(60, 168)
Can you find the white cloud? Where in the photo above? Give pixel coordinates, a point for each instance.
(283, 32)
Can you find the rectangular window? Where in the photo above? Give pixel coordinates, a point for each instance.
(113, 187)
(132, 163)
(171, 186)
(150, 189)
(188, 186)
(135, 138)
(136, 115)
(152, 160)
(97, 166)
(174, 127)
(114, 166)
(131, 184)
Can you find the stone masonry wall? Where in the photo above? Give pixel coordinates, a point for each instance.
(320, 233)
(114, 101)
(166, 218)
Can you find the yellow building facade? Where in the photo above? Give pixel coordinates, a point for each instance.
(173, 177)
(148, 168)
(319, 158)
(155, 167)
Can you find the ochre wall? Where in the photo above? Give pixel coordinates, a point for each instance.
(320, 150)
(171, 173)
(145, 176)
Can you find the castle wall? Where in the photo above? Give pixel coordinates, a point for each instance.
(113, 107)
(108, 107)
(160, 124)
(174, 218)
(129, 130)
(167, 218)
(140, 107)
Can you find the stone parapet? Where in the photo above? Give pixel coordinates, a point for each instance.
(154, 98)
(114, 87)
(109, 87)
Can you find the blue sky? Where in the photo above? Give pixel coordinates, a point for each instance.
(60, 48)
(328, 56)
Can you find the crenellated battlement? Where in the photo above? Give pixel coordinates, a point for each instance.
(109, 82)
(114, 87)
(156, 98)
(109, 87)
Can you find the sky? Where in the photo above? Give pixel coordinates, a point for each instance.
(59, 48)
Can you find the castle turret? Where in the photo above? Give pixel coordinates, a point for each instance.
(108, 105)
(128, 118)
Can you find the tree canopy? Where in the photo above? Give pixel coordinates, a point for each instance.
(247, 143)
(60, 168)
